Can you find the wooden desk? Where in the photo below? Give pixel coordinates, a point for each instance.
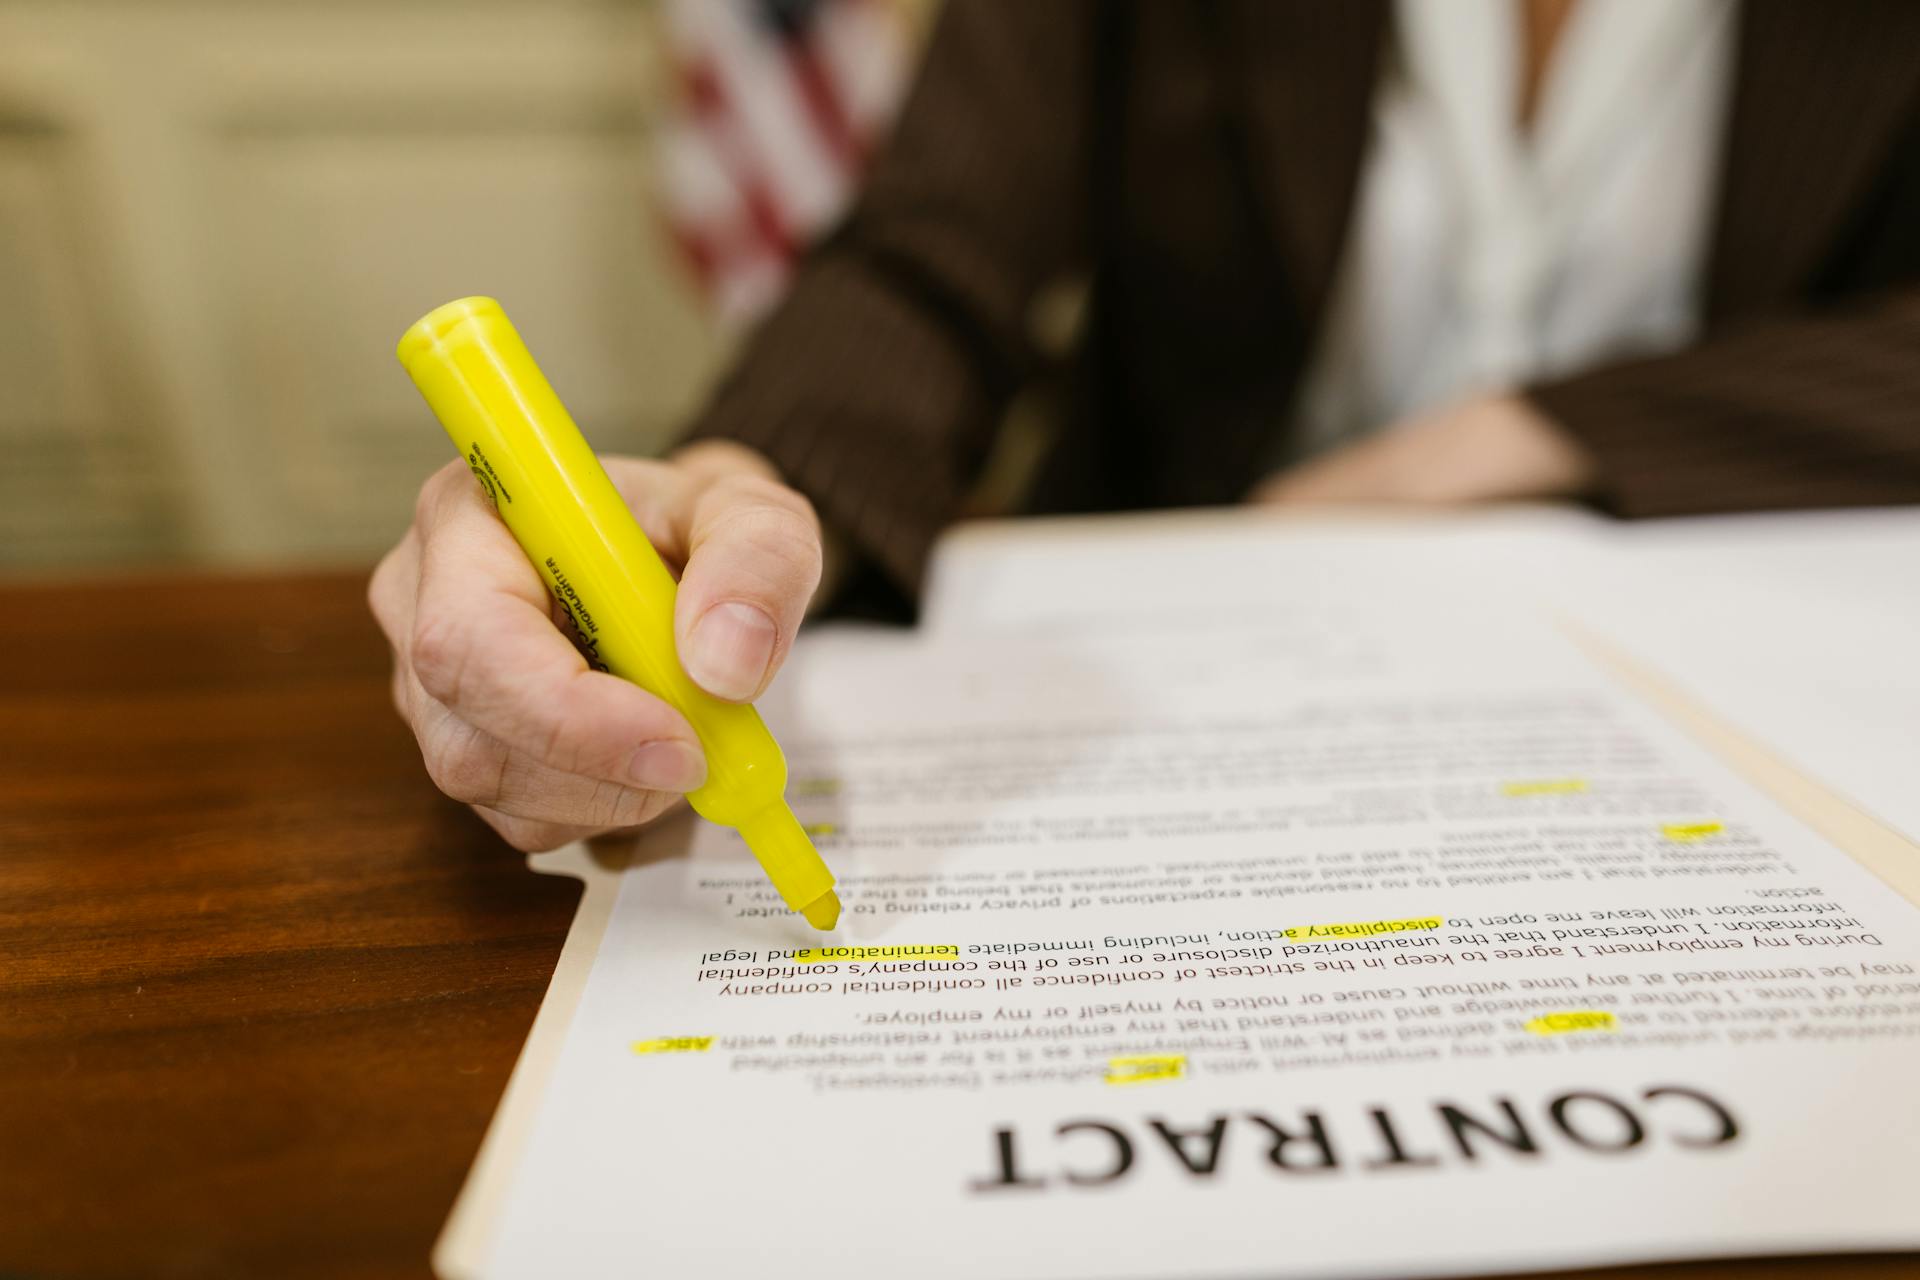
(260, 985)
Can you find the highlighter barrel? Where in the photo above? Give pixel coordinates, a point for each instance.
(538, 471)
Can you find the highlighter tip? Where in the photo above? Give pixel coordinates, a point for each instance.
(823, 912)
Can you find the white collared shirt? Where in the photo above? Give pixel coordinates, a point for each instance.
(1480, 257)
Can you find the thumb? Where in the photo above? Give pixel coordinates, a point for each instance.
(753, 561)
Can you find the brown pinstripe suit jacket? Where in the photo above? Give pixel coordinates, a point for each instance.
(1199, 161)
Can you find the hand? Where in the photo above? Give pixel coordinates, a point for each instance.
(509, 716)
(1488, 449)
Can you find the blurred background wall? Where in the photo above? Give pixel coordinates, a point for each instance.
(216, 217)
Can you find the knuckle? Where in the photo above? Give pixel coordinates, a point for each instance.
(613, 806)
(380, 590)
(653, 507)
(427, 500)
(783, 541)
(560, 748)
(569, 744)
(438, 651)
(466, 769)
(759, 491)
(387, 590)
(435, 491)
(640, 473)
(654, 804)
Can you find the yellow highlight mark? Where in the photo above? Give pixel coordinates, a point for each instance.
(1554, 1024)
(1362, 929)
(1687, 833)
(816, 787)
(1146, 1069)
(827, 955)
(674, 1044)
(820, 829)
(1545, 787)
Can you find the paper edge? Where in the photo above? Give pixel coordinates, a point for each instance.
(1869, 841)
(460, 1251)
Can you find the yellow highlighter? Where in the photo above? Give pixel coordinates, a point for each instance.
(541, 476)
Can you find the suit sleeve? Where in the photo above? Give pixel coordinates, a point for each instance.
(1818, 407)
(877, 384)
(1813, 410)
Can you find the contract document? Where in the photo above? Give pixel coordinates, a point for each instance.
(1363, 924)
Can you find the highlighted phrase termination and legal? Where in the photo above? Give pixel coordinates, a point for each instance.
(831, 955)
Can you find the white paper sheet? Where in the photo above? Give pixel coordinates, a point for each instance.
(1799, 629)
(1653, 1016)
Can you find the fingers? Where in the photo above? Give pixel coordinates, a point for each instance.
(511, 719)
(482, 771)
(483, 645)
(753, 561)
(658, 494)
(751, 551)
(390, 589)
(508, 716)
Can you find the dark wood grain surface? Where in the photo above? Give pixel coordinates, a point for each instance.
(260, 986)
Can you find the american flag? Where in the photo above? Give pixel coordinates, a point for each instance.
(777, 103)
